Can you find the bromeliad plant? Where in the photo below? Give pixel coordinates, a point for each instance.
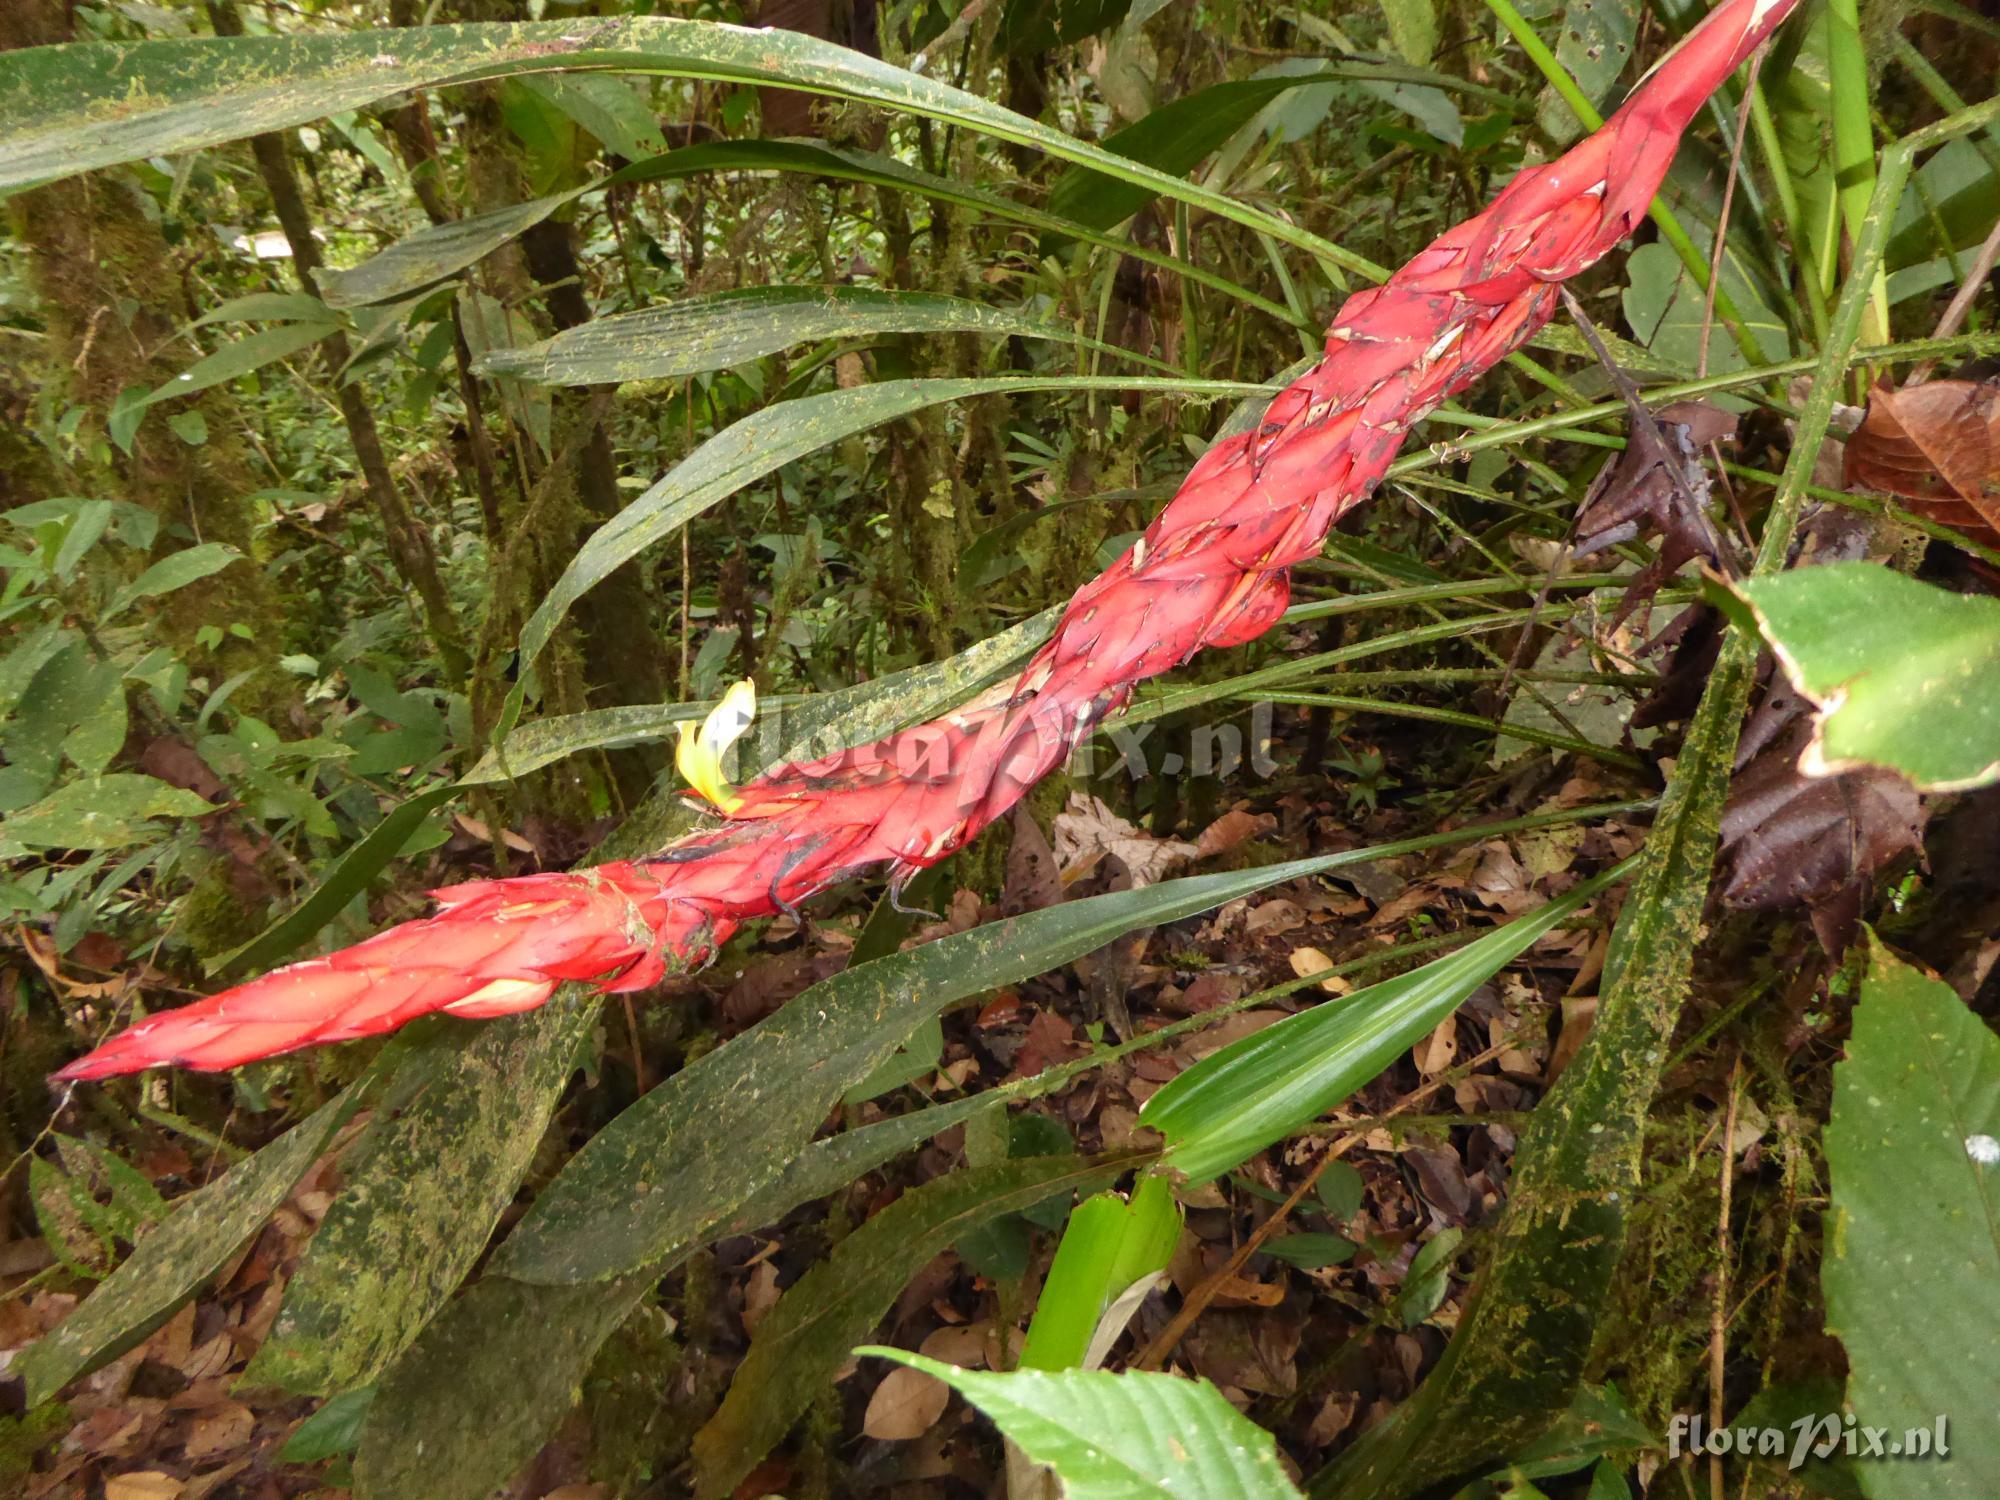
(1211, 571)
(727, 1143)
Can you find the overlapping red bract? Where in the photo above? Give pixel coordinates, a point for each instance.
(1212, 570)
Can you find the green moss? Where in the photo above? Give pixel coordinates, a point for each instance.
(21, 1438)
(213, 917)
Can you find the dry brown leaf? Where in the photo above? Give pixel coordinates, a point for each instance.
(964, 1345)
(484, 833)
(905, 1405)
(1937, 447)
(1579, 1015)
(760, 1294)
(218, 1430)
(1636, 495)
(1234, 827)
(1273, 918)
(1087, 831)
(142, 1484)
(1439, 1050)
(1312, 961)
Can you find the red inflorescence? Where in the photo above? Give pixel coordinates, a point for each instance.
(1212, 570)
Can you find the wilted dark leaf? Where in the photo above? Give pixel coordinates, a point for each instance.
(1791, 840)
(1637, 496)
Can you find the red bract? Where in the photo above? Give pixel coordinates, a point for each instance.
(1212, 570)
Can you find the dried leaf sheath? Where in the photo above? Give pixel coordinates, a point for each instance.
(1212, 570)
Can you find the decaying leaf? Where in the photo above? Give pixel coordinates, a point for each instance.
(1936, 447)
(1638, 495)
(1789, 839)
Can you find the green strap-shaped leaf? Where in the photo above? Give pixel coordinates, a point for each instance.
(1902, 672)
(720, 329)
(95, 104)
(1129, 1436)
(1913, 1245)
(765, 441)
(819, 159)
(806, 1337)
(1258, 1090)
(851, 716)
(1178, 135)
(436, 251)
(171, 1263)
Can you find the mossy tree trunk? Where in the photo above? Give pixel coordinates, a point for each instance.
(110, 295)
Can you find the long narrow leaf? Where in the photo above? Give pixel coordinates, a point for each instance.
(767, 440)
(1254, 1092)
(713, 332)
(96, 104)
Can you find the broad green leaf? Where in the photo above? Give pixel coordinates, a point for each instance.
(610, 108)
(720, 329)
(102, 812)
(693, 1149)
(1902, 673)
(174, 571)
(1664, 308)
(767, 440)
(251, 352)
(1109, 1247)
(1311, 1250)
(172, 1261)
(1593, 42)
(1122, 1437)
(1413, 28)
(335, 1428)
(73, 108)
(429, 255)
(1429, 1277)
(485, 1387)
(1913, 1243)
(805, 1338)
(1256, 1091)
(277, 307)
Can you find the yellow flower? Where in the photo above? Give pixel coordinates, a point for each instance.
(700, 753)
